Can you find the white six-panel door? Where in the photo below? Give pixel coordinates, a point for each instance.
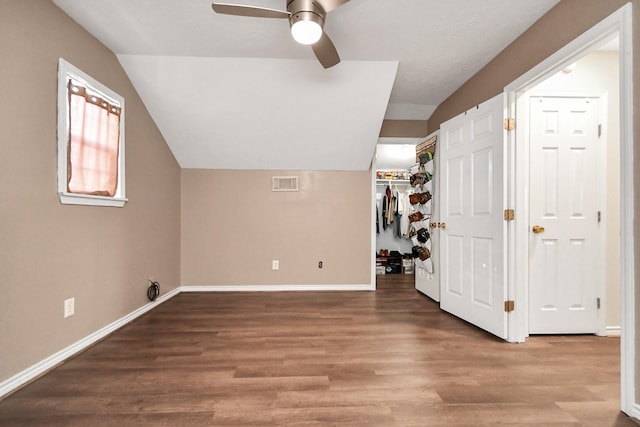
(472, 242)
(564, 247)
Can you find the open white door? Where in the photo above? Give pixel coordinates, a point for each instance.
(428, 282)
(472, 198)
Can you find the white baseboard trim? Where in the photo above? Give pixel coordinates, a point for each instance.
(635, 411)
(21, 378)
(612, 330)
(277, 288)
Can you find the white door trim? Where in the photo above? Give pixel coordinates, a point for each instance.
(374, 218)
(619, 22)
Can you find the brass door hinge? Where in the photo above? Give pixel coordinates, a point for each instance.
(509, 306)
(509, 124)
(509, 214)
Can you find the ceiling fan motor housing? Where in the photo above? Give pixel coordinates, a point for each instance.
(305, 10)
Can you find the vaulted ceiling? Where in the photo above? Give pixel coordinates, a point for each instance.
(231, 92)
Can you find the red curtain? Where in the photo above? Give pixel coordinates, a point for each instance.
(94, 144)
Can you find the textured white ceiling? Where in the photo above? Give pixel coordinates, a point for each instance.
(239, 113)
(437, 45)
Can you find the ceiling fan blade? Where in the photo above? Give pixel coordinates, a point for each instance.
(325, 51)
(329, 5)
(240, 10)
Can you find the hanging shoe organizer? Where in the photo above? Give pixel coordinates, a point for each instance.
(421, 199)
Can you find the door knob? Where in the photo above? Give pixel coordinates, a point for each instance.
(537, 229)
(443, 225)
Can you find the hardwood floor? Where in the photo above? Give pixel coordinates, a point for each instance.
(385, 358)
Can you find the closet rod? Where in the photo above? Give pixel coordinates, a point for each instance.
(391, 181)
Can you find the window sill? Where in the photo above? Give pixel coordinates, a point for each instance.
(89, 200)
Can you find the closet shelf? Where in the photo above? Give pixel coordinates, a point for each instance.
(391, 181)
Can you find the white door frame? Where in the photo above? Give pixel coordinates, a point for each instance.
(619, 22)
(374, 218)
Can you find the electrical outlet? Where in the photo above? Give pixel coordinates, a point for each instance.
(275, 264)
(69, 307)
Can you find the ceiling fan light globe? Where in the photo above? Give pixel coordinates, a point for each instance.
(306, 32)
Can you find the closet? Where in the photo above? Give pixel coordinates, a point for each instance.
(404, 210)
(393, 246)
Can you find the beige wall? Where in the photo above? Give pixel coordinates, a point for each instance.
(48, 251)
(598, 72)
(233, 226)
(563, 23)
(404, 128)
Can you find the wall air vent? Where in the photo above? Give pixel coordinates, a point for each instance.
(284, 183)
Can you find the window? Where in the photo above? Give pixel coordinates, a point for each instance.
(90, 140)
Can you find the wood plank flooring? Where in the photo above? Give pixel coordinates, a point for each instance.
(385, 358)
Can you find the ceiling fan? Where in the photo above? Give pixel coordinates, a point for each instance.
(306, 19)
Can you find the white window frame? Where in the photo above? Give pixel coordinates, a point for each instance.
(67, 71)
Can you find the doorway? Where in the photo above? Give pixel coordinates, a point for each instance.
(392, 247)
(618, 24)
